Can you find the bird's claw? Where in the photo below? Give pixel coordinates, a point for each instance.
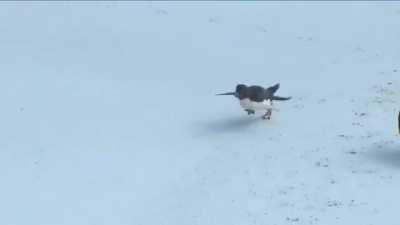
(267, 115)
(249, 111)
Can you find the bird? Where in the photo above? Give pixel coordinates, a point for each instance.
(257, 98)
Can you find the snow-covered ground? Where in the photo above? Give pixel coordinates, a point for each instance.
(108, 113)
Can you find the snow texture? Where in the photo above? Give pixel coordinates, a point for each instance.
(109, 113)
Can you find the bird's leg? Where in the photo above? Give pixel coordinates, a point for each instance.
(249, 111)
(267, 115)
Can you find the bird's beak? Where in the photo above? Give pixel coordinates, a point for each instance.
(228, 93)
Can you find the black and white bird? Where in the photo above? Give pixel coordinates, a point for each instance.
(398, 118)
(256, 98)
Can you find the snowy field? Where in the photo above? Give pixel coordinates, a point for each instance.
(109, 114)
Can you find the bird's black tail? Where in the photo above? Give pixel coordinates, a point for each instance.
(271, 91)
(277, 98)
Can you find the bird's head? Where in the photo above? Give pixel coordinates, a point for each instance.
(240, 91)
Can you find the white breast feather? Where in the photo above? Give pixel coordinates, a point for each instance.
(247, 104)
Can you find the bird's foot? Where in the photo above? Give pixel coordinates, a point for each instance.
(267, 115)
(249, 111)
